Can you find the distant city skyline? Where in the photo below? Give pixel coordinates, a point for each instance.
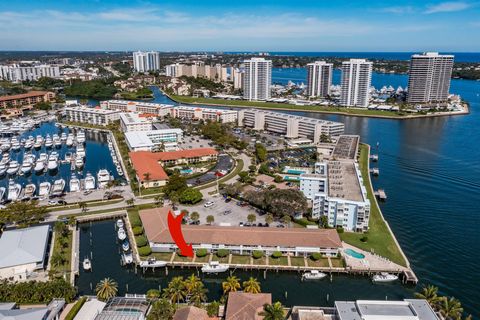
(215, 25)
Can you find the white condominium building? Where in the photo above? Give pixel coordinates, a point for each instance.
(150, 140)
(257, 79)
(90, 115)
(429, 77)
(157, 109)
(356, 80)
(290, 126)
(237, 78)
(337, 192)
(319, 79)
(146, 61)
(186, 112)
(131, 121)
(197, 69)
(17, 73)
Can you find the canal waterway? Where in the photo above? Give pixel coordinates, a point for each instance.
(430, 169)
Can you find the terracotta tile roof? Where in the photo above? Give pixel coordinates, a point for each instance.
(156, 229)
(24, 95)
(246, 306)
(190, 313)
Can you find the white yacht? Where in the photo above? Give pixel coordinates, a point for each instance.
(69, 141)
(5, 158)
(53, 161)
(313, 275)
(89, 182)
(79, 162)
(125, 245)
(15, 144)
(41, 162)
(81, 151)
(27, 164)
(5, 146)
(44, 189)
(153, 263)
(56, 141)
(127, 258)
(121, 234)
(14, 190)
(63, 137)
(2, 193)
(81, 137)
(120, 223)
(87, 264)
(3, 168)
(13, 167)
(38, 142)
(48, 141)
(29, 191)
(214, 267)
(28, 144)
(103, 178)
(384, 277)
(74, 184)
(58, 187)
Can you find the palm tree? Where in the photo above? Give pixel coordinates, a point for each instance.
(272, 311)
(175, 291)
(106, 289)
(192, 282)
(429, 293)
(158, 200)
(198, 295)
(251, 286)
(230, 285)
(130, 202)
(251, 217)
(57, 259)
(83, 206)
(450, 308)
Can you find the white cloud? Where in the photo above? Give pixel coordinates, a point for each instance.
(398, 10)
(448, 7)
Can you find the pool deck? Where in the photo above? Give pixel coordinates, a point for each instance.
(370, 262)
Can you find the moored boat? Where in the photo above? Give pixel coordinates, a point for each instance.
(74, 184)
(125, 245)
(152, 263)
(384, 277)
(121, 234)
(87, 264)
(313, 275)
(29, 191)
(103, 178)
(120, 223)
(58, 187)
(14, 190)
(53, 161)
(214, 267)
(13, 167)
(89, 182)
(44, 189)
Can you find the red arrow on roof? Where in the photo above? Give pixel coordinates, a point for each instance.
(175, 228)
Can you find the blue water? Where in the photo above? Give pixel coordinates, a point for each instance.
(355, 254)
(97, 157)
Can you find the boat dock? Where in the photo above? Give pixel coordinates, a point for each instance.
(374, 157)
(101, 216)
(380, 194)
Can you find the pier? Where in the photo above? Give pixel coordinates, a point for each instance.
(101, 216)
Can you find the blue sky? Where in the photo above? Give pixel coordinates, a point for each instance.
(229, 25)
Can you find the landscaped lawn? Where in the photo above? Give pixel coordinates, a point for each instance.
(66, 253)
(380, 240)
(162, 256)
(182, 259)
(319, 263)
(282, 261)
(221, 260)
(240, 259)
(260, 261)
(338, 262)
(234, 172)
(297, 261)
(202, 259)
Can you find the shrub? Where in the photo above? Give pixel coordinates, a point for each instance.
(135, 221)
(76, 307)
(340, 229)
(212, 309)
(201, 253)
(304, 222)
(141, 241)
(144, 251)
(138, 230)
(364, 239)
(315, 256)
(190, 196)
(153, 294)
(276, 254)
(257, 254)
(278, 179)
(222, 253)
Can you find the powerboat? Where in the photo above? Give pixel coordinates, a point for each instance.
(125, 245)
(53, 161)
(120, 223)
(127, 258)
(214, 267)
(79, 162)
(27, 163)
(28, 144)
(81, 151)
(3, 169)
(121, 234)
(87, 264)
(41, 162)
(56, 141)
(48, 141)
(384, 277)
(5, 146)
(152, 263)
(68, 156)
(29, 191)
(69, 141)
(5, 158)
(44, 189)
(14, 190)
(89, 182)
(58, 187)
(313, 275)
(13, 167)
(63, 137)
(103, 178)
(81, 137)
(15, 144)
(2, 193)
(74, 184)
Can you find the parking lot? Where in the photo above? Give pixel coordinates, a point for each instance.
(195, 142)
(236, 213)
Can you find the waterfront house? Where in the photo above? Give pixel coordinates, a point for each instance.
(242, 305)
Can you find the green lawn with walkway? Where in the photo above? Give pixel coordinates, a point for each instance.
(380, 240)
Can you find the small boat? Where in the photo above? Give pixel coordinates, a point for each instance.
(48, 141)
(89, 182)
(29, 191)
(68, 156)
(3, 169)
(384, 277)
(127, 258)
(214, 267)
(152, 263)
(44, 189)
(13, 167)
(313, 275)
(27, 164)
(81, 137)
(120, 223)
(69, 141)
(121, 234)
(2, 193)
(63, 137)
(79, 162)
(28, 144)
(58, 187)
(74, 184)
(125, 245)
(14, 190)
(53, 161)
(103, 178)
(87, 264)
(5, 146)
(81, 151)
(56, 141)
(41, 162)
(15, 144)
(5, 158)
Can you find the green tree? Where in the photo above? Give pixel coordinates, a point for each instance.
(212, 308)
(106, 289)
(286, 219)
(231, 284)
(210, 219)
(244, 177)
(324, 221)
(83, 206)
(429, 293)
(130, 202)
(269, 218)
(198, 295)
(272, 311)
(190, 196)
(158, 200)
(260, 152)
(176, 184)
(251, 286)
(57, 259)
(23, 213)
(450, 308)
(252, 217)
(153, 294)
(233, 189)
(195, 216)
(176, 291)
(161, 309)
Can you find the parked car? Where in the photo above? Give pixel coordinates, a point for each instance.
(208, 204)
(280, 226)
(240, 224)
(226, 212)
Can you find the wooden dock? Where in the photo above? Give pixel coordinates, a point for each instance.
(381, 194)
(101, 216)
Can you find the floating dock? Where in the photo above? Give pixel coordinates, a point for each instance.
(380, 194)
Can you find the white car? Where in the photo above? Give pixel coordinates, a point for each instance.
(208, 204)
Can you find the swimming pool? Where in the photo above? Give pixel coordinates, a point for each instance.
(186, 171)
(355, 254)
(289, 178)
(292, 171)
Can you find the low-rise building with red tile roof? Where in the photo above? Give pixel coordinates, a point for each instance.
(242, 305)
(26, 100)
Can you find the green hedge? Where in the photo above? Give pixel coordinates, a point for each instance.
(138, 230)
(141, 241)
(144, 251)
(305, 222)
(276, 254)
(315, 256)
(201, 252)
(76, 307)
(222, 253)
(134, 218)
(257, 254)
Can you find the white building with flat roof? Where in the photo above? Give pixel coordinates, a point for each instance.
(154, 139)
(257, 79)
(95, 116)
(146, 61)
(158, 109)
(18, 73)
(291, 126)
(198, 113)
(23, 251)
(131, 121)
(356, 81)
(319, 79)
